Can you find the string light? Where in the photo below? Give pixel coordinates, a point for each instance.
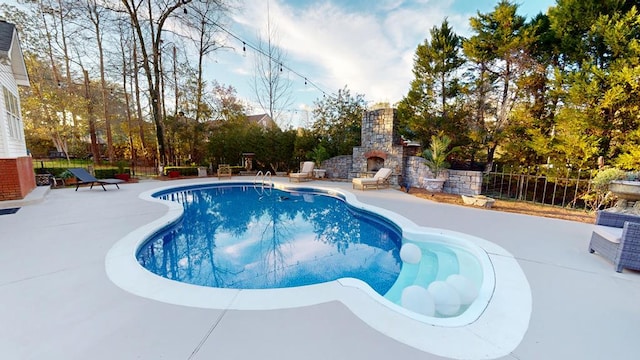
(261, 52)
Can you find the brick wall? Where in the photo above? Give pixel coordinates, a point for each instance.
(16, 178)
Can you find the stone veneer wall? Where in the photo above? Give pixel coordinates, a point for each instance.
(338, 167)
(414, 171)
(459, 181)
(379, 136)
(464, 182)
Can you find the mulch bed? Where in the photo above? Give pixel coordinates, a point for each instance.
(520, 207)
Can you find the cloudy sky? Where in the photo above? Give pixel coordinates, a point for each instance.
(366, 45)
(363, 44)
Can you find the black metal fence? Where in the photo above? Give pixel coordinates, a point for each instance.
(56, 166)
(563, 188)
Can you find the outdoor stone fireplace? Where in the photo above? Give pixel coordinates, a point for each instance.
(381, 146)
(375, 163)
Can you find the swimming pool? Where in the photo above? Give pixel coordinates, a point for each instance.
(257, 237)
(492, 325)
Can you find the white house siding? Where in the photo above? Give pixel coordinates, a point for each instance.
(10, 147)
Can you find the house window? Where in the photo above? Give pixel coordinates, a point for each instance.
(13, 113)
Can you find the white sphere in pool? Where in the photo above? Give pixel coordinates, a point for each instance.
(410, 253)
(417, 299)
(445, 297)
(467, 290)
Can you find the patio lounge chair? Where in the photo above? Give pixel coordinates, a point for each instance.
(306, 172)
(378, 181)
(84, 177)
(617, 238)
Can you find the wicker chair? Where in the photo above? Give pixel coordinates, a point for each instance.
(617, 238)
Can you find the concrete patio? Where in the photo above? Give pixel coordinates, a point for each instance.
(56, 301)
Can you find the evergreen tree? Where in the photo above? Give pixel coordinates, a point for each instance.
(432, 104)
(500, 54)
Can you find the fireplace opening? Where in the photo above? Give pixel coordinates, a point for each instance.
(375, 163)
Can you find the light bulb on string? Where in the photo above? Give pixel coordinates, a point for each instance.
(272, 60)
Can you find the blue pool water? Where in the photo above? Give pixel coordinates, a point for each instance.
(243, 237)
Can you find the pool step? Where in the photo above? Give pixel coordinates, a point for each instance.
(437, 264)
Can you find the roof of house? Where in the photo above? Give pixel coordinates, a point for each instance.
(264, 120)
(11, 52)
(6, 36)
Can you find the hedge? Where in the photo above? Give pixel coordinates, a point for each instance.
(109, 173)
(183, 170)
(99, 173)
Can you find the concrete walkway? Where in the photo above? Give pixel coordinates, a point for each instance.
(56, 301)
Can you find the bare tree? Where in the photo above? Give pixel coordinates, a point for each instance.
(96, 16)
(271, 85)
(205, 21)
(126, 52)
(148, 19)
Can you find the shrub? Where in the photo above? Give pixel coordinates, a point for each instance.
(110, 173)
(599, 195)
(183, 170)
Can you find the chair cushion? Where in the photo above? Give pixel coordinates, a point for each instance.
(610, 233)
(364, 181)
(382, 174)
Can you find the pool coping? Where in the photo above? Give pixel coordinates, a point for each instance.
(498, 329)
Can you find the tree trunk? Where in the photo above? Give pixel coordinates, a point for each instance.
(136, 82)
(92, 120)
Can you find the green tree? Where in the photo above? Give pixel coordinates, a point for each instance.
(499, 52)
(571, 21)
(275, 148)
(601, 88)
(305, 142)
(433, 102)
(337, 121)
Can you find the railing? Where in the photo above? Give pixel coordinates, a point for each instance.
(264, 185)
(140, 168)
(531, 185)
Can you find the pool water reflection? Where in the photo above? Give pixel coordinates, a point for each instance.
(243, 237)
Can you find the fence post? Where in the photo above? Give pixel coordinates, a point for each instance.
(575, 195)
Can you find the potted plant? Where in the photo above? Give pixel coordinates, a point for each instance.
(436, 160)
(122, 174)
(68, 178)
(318, 155)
